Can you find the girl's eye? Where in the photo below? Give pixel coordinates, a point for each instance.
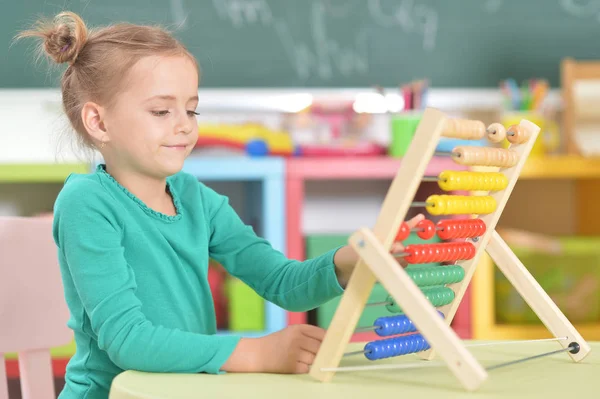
(193, 113)
(159, 113)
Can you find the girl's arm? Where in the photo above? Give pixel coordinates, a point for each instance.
(291, 284)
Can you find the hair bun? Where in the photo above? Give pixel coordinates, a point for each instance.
(64, 37)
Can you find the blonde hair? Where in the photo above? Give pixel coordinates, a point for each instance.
(98, 60)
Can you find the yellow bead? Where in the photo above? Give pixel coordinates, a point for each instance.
(460, 204)
(433, 206)
(472, 181)
(447, 180)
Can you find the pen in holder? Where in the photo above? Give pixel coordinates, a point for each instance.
(528, 102)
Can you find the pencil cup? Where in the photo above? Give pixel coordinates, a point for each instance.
(403, 129)
(548, 140)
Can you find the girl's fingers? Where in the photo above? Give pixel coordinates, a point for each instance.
(302, 368)
(397, 247)
(305, 358)
(310, 345)
(315, 332)
(415, 220)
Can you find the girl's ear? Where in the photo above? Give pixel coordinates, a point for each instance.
(92, 117)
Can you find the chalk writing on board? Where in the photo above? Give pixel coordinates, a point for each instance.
(341, 8)
(179, 14)
(244, 12)
(325, 54)
(582, 8)
(407, 15)
(321, 55)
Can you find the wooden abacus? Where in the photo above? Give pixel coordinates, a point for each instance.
(428, 298)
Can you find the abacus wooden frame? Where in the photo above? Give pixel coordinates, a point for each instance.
(376, 263)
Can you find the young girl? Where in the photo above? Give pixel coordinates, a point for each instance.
(135, 236)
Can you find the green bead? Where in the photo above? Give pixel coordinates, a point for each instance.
(436, 275)
(437, 296)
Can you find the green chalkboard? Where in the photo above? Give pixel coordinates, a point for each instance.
(339, 43)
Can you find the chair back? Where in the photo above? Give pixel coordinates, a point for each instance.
(33, 311)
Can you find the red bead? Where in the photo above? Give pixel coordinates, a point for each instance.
(426, 229)
(480, 227)
(444, 252)
(411, 254)
(446, 231)
(403, 232)
(468, 228)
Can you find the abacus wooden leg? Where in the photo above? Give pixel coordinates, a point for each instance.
(535, 296)
(415, 305)
(344, 320)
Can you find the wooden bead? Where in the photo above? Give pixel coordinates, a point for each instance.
(484, 156)
(516, 134)
(496, 132)
(464, 129)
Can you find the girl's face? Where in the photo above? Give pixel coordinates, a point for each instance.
(152, 125)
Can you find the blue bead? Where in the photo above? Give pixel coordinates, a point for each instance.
(393, 325)
(395, 347)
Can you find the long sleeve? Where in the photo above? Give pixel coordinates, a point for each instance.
(89, 236)
(291, 284)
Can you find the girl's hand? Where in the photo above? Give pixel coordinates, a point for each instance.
(346, 257)
(291, 350)
(288, 351)
(397, 247)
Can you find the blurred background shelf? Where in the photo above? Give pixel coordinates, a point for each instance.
(561, 167)
(40, 173)
(498, 315)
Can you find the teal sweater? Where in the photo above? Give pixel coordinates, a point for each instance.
(136, 282)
